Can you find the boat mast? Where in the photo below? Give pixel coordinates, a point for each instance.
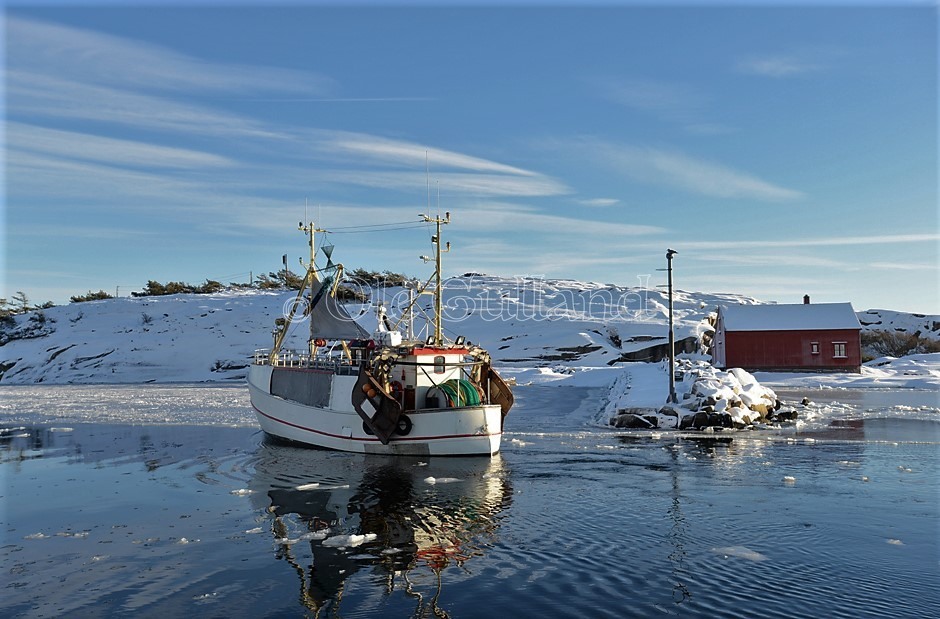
(438, 287)
(311, 229)
(309, 277)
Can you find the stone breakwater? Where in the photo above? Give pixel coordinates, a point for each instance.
(708, 398)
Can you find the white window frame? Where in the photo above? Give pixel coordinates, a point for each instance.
(839, 347)
(814, 348)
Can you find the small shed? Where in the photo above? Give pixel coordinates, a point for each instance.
(796, 337)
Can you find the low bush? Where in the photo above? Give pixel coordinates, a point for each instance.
(878, 343)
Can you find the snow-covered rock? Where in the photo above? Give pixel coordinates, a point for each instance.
(708, 397)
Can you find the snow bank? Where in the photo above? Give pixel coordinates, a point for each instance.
(910, 372)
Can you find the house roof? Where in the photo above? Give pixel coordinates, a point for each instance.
(789, 317)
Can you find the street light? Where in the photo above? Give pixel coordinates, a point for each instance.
(672, 337)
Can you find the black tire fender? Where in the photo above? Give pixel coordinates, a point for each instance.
(404, 425)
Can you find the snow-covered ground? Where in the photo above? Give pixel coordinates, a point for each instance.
(538, 331)
(524, 323)
(910, 372)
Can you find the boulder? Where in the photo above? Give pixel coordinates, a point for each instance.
(629, 420)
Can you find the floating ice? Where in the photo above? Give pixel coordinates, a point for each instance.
(205, 598)
(741, 552)
(789, 479)
(895, 542)
(255, 530)
(301, 538)
(39, 535)
(344, 541)
(241, 492)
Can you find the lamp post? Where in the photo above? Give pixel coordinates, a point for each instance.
(672, 337)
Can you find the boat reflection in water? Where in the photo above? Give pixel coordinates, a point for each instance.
(402, 520)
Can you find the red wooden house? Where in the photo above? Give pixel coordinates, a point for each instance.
(799, 337)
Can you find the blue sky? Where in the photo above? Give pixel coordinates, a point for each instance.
(782, 150)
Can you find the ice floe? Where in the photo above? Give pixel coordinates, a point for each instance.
(349, 541)
(741, 552)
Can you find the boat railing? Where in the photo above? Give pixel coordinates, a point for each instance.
(302, 359)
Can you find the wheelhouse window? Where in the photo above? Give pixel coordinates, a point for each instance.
(814, 348)
(838, 350)
(439, 366)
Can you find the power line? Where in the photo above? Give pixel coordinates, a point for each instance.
(391, 223)
(360, 229)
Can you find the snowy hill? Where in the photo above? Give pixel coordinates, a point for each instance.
(890, 320)
(524, 323)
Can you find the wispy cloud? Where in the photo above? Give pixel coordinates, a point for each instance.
(886, 239)
(672, 168)
(599, 202)
(450, 183)
(906, 266)
(409, 154)
(96, 57)
(84, 146)
(781, 65)
(511, 218)
(32, 95)
(671, 101)
(668, 101)
(763, 260)
(57, 74)
(763, 286)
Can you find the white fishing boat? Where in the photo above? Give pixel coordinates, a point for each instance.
(379, 393)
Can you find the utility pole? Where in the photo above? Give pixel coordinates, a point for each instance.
(672, 336)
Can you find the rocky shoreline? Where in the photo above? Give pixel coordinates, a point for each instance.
(708, 398)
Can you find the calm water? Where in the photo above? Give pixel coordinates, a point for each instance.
(134, 516)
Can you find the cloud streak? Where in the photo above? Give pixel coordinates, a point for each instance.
(775, 66)
(668, 101)
(120, 152)
(670, 168)
(409, 154)
(95, 57)
(32, 95)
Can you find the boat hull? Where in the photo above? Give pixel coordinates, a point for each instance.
(463, 431)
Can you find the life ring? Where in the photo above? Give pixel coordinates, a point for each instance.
(404, 425)
(319, 342)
